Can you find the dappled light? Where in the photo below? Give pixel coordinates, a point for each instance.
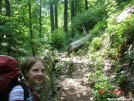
(87, 46)
(74, 86)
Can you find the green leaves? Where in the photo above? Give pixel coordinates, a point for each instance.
(2, 27)
(90, 18)
(58, 39)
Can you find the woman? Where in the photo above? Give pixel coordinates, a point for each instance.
(33, 71)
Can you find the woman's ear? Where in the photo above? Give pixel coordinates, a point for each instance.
(26, 73)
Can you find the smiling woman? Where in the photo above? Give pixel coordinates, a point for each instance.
(33, 71)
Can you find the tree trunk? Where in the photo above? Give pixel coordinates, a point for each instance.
(51, 17)
(9, 35)
(78, 43)
(7, 4)
(0, 6)
(75, 7)
(56, 16)
(86, 5)
(84, 29)
(65, 16)
(40, 21)
(30, 28)
(78, 8)
(72, 16)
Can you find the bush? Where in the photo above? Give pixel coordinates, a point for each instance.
(58, 39)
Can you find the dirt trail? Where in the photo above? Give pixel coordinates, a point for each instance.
(75, 86)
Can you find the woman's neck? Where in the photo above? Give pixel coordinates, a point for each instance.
(30, 86)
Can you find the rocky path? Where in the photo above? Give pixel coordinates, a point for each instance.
(74, 86)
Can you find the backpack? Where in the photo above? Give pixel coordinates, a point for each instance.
(9, 74)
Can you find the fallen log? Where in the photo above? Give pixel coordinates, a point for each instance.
(78, 43)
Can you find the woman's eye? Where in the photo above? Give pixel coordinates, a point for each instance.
(35, 70)
(42, 70)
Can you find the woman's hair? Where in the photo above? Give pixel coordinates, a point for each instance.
(28, 63)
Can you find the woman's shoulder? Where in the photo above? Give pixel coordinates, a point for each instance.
(17, 88)
(16, 94)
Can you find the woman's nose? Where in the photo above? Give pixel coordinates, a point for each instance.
(40, 73)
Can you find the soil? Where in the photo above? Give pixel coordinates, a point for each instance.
(74, 86)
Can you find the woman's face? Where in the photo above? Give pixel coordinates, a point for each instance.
(36, 74)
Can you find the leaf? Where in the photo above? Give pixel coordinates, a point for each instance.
(2, 27)
(7, 23)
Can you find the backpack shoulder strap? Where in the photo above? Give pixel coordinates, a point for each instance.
(25, 88)
(26, 91)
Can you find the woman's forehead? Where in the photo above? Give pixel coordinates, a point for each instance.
(38, 64)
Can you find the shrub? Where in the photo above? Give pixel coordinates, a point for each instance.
(58, 39)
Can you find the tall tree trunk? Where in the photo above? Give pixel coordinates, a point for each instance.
(86, 5)
(75, 7)
(51, 17)
(56, 16)
(8, 12)
(72, 16)
(65, 16)
(30, 28)
(9, 35)
(0, 6)
(40, 27)
(72, 10)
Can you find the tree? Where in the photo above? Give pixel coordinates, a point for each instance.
(8, 34)
(0, 6)
(51, 16)
(56, 15)
(7, 4)
(30, 28)
(75, 7)
(72, 16)
(65, 16)
(40, 20)
(86, 5)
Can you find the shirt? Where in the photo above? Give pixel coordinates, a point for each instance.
(17, 94)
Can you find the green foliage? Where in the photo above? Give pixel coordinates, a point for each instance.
(121, 77)
(99, 27)
(102, 86)
(14, 30)
(11, 37)
(119, 32)
(100, 49)
(58, 39)
(102, 82)
(105, 96)
(122, 1)
(90, 18)
(111, 7)
(96, 43)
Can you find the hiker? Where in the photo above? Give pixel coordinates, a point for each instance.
(33, 71)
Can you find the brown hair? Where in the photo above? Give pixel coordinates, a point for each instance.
(28, 63)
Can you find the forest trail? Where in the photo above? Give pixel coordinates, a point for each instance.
(75, 85)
